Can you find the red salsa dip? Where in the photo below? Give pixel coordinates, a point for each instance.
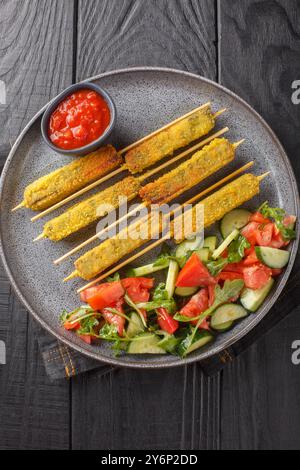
(78, 120)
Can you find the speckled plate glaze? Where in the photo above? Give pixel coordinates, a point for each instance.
(146, 99)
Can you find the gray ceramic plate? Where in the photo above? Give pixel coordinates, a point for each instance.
(146, 98)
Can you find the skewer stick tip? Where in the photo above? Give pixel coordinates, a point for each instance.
(262, 177)
(40, 237)
(71, 276)
(237, 144)
(220, 112)
(19, 206)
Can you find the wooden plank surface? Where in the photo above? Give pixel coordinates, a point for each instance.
(169, 409)
(260, 59)
(35, 63)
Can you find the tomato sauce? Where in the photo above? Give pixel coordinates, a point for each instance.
(79, 120)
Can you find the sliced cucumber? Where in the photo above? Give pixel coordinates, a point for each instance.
(232, 236)
(186, 291)
(147, 269)
(203, 254)
(224, 326)
(235, 219)
(201, 339)
(210, 243)
(227, 313)
(135, 326)
(188, 245)
(252, 299)
(145, 344)
(272, 257)
(171, 278)
(169, 343)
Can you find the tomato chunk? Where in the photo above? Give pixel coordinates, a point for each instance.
(264, 234)
(249, 232)
(259, 218)
(257, 276)
(114, 318)
(86, 338)
(194, 274)
(138, 288)
(104, 295)
(251, 257)
(166, 321)
(197, 304)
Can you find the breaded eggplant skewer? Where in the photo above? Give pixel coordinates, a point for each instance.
(215, 207)
(202, 164)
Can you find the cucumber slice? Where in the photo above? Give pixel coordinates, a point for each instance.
(232, 236)
(135, 326)
(171, 278)
(169, 343)
(186, 291)
(145, 344)
(147, 269)
(224, 326)
(252, 299)
(201, 339)
(188, 245)
(272, 257)
(235, 219)
(203, 254)
(227, 313)
(210, 243)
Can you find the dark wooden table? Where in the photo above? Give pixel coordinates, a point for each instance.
(250, 46)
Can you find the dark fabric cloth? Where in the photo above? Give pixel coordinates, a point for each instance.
(62, 361)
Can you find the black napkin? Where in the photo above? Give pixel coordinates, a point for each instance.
(62, 361)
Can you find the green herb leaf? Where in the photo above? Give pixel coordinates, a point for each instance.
(215, 267)
(135, 307)
(87, 326)
(236, 249)
(114, 278)
(277, 214)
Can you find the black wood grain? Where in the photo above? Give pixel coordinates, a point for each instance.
(35, 63)
(168, 409)
(260, 59)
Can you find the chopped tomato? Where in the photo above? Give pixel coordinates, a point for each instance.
(194, 274)
(257, 276)
(211, 295)
(289, 221)
(234, 268)
(86, 338)
(251, 257)
(114, 318)
(229, 276)
(249, 232)
(276, 272)
(166, 321)
(197, 304)
(259, 218)
(104, 295)
(71, 326)
(277, 240)
(264, 234)
(138, 288)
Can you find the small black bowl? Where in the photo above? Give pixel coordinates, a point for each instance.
(96, 143)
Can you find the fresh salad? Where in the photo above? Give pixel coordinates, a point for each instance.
(208, 287)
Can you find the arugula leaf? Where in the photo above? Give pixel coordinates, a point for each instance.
(78, 314)
(136, 308)
(277, 214)
(87, 326)
(160, 300)
(114, 278)
(236, 249)
(109, 332)
(169, 305)
(215, 267)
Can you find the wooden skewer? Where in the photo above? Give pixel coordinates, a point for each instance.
(167, 126)
(19, 206)
(121, 152)
(143, 177)
(150, 247)
(262, 177)
(98, 235)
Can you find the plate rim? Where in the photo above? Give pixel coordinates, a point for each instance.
(256, 318)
